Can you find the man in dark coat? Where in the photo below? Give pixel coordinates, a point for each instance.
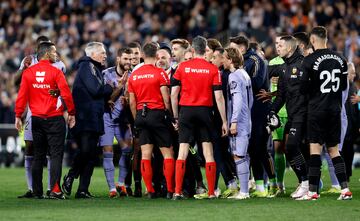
(89, 93)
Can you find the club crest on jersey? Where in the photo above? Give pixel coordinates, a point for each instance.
(293, 72)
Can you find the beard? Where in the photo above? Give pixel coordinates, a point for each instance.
(125, 67)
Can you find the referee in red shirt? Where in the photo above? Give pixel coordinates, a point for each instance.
(149, 103)
(48, 123)
(197, 79)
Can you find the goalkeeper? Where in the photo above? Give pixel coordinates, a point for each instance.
(288, 93)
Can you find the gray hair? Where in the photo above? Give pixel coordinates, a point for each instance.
(199, 45)
(93, 47)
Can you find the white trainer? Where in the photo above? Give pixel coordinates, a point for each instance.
(240, 196)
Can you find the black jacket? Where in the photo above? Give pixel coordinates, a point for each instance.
(288, 91)
(89, 92)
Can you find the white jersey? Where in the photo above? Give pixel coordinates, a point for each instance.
(34, 60)
(240, 101)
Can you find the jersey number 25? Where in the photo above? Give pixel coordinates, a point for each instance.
(325, 87)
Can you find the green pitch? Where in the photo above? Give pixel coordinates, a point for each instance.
(12, 184)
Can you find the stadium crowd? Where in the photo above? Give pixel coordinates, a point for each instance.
(113, 30)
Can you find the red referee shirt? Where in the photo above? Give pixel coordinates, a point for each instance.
(36, 82)
(197, 77)
(145, 83)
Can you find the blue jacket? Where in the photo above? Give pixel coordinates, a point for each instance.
(255, 66)
(89, 93)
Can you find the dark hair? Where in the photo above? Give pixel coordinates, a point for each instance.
(319, 31)
(254, 45)
(302, 37)
(134, 44)
(240, 40)
(150, 50)
(213, 43)
(220, 50)
(199, 45)
(42, 38)
(182, 42)
(281, 34)
(43, 48)
(235, 56)
(125, 50)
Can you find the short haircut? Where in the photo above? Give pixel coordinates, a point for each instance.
(302, 37)
(213, 43)
(125, 50)
(199, 45)
(281, 34)
(43, 48)
(42, 38)
(319, 31)
(220, 50)
(182, 42)
(150, 50)
(255, 46)
(235, 56)
(240, 40)
(290, 40)
(93, 47)
(134, 44)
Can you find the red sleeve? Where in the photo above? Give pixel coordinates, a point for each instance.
(65, 92)
(164, 79)
(23, 95)
(177, 74)
(217, 77)
(130, 87)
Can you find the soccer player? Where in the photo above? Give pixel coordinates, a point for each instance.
(324, 76)
(224, 161)
(260, 159)
(210, 48)
(115, 125)
(240, 100)
(134, 167)
(136, 53)
(28, 137)
(178, 48)
(197, 79)
(48, 124)
(289, 93)
(149, 101)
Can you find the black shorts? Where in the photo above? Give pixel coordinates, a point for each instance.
(195, 119)
(324, 128)
(153, 128)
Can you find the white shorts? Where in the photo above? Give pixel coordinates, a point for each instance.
(28, 128)
(113, 130)
(239, 144)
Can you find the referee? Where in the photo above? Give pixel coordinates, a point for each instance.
(197, 79)
(149, 102)
(48, 124)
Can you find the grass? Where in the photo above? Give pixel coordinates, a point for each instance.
(12, 183)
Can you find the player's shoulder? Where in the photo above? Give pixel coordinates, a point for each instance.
(109, 70)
